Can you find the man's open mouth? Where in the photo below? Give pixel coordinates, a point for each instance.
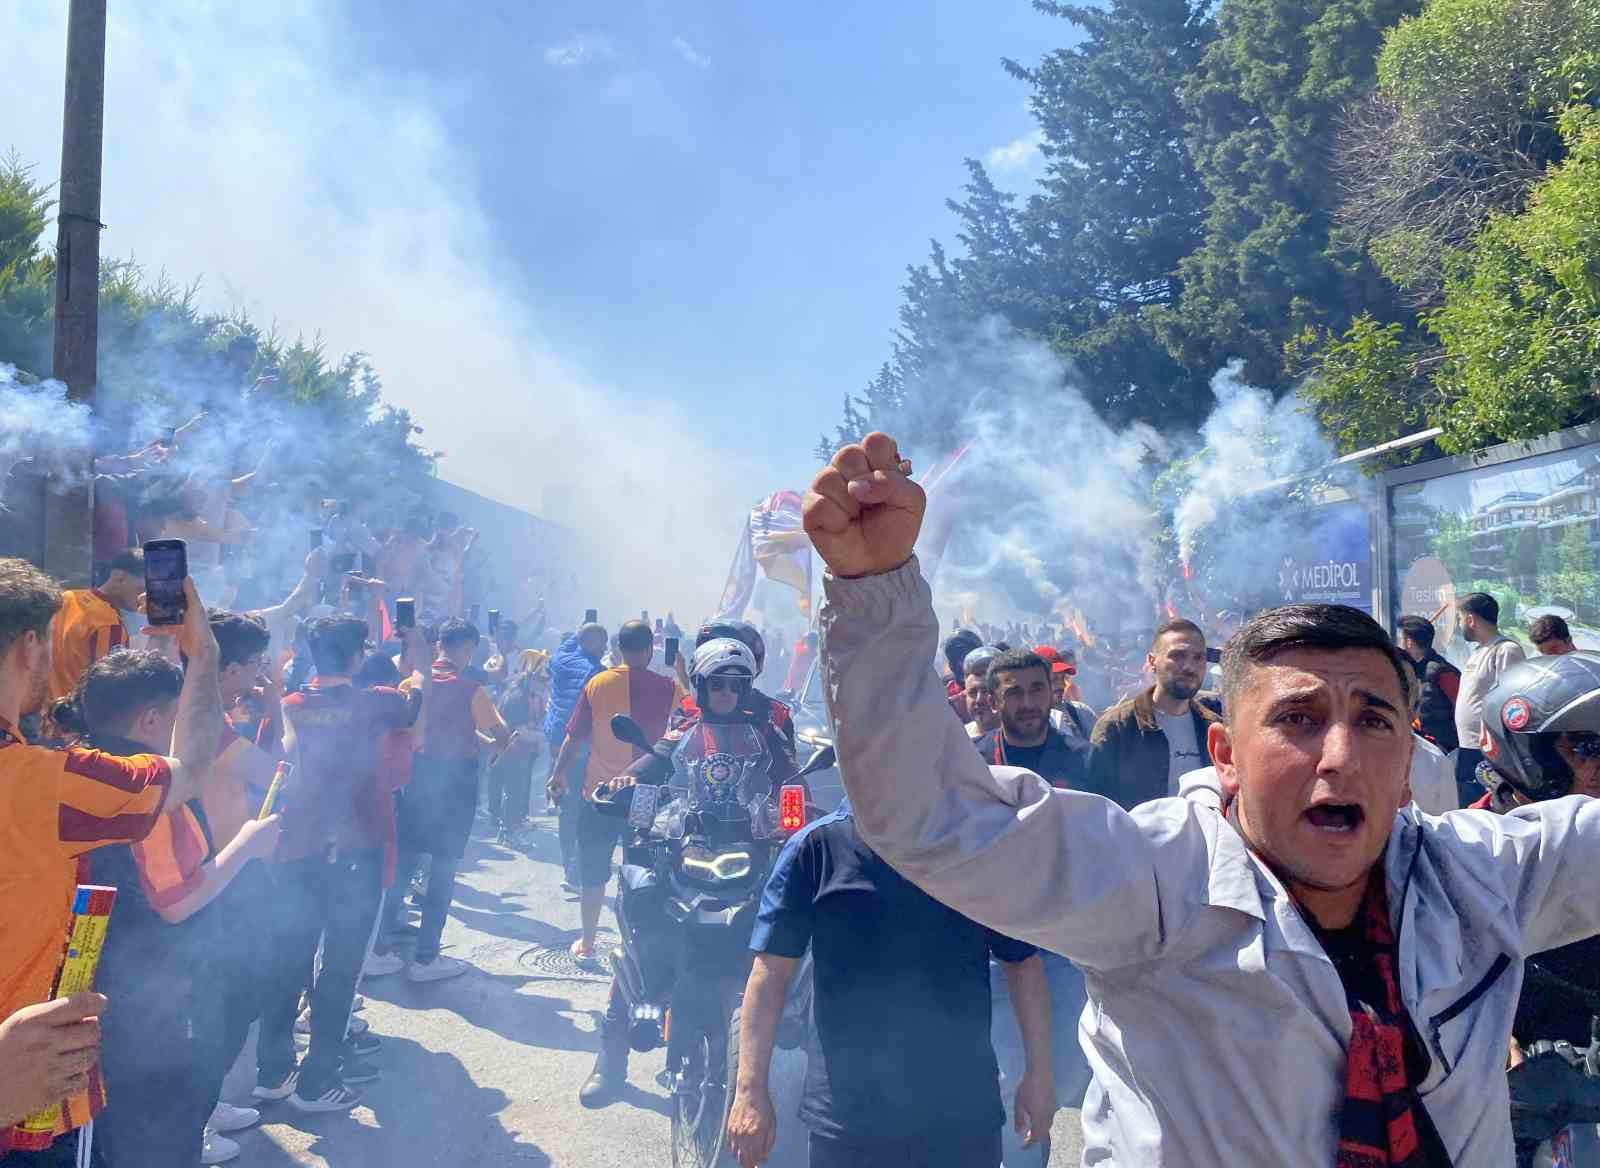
(1335, 816)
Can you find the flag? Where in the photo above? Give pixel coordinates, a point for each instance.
(778, 541)
(741, 579)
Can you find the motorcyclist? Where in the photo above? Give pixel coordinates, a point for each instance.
(722, 673)
(1541, 740)
(755, 703)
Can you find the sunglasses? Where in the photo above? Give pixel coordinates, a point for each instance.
(1586, 747)
(737, 685)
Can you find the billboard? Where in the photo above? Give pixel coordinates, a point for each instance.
(1525, 531)
(1331, 563)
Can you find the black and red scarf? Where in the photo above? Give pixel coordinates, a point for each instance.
(1382, 1121)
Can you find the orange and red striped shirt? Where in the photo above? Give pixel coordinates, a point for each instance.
(85, 628)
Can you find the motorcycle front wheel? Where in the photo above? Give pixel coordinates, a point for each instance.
(701, 1102)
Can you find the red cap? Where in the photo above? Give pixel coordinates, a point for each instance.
(1053, 655)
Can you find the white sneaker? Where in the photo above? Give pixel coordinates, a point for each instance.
(228, 1118)
(360, 1003)
(436, 970)
(381, 965)
(217, 1149)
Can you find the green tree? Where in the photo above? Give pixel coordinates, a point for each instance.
(1567, 573)
(1265, 104)
(1520, 325)
(26, 276)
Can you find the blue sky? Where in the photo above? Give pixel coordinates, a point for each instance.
(714, 202)
(550, 223)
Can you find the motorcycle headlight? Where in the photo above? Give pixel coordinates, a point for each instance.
(714, 867)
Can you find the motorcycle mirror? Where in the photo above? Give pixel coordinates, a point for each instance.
(820, 761)
(627, 730)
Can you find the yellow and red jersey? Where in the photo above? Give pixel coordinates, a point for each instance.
(85, 628)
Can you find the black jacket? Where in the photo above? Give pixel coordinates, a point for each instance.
(1128, 760)
(1437, 713)
(1063, 765)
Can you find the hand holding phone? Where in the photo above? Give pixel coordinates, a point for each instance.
(672, 650)
(591, 616)
(166, 567)
(405, 612)
(494, 621)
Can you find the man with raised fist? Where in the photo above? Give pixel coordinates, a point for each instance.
(1290, 967)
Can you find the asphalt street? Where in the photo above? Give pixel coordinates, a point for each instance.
(483, 1071)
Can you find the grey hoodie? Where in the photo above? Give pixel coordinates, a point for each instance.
(1216, 1026)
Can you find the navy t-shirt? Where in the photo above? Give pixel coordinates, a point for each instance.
(900, 1048)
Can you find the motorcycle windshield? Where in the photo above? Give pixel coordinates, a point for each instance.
(723, 776)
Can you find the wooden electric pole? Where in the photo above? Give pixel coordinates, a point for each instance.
(69, 508)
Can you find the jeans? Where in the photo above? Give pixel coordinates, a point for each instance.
(334, 901)
(975, 1152)
(570, 811)
(435, 905)
(248, 908)
(509, 781)
(1069, 1067)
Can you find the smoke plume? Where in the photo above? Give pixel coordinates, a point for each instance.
(39, 427)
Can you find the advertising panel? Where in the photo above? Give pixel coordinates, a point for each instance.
(1526, 532)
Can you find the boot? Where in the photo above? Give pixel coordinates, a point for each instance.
(610, 1074)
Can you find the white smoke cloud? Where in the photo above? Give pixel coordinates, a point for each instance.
(1018, 154)
(41, 429)
(579, 50)
(690, 54)
(240, 147)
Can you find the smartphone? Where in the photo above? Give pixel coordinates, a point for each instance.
(1213, 655)
(658, 624)
(494, 621)
(166, 566)
(472, 614)
(405, 612)
(644, 616)
(171, 436)
(672, 650)
(316, 538)
(591, 616)
(344, 564)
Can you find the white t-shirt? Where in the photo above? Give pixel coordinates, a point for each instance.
(1433, 778)
(1483, 669)
(1183, 751)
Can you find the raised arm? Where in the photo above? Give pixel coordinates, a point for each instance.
(1065, 870)
(199, 723)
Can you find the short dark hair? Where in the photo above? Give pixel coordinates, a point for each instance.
(456, 631)
(1549, 628)
(130, 561)
(240, 636)
(1304, 626)
(1014, 661)
(635, 636)
(1418, 628)
(116, 689)
(334, 640)
(28, 599)
(956, 647)
(376, 669)
(1177, 624)
(1481, 605)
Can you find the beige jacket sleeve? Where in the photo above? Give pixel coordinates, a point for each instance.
(1068, 871)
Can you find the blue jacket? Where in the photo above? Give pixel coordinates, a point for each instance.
(570, 671)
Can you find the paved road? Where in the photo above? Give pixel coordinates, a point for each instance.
(483, 1071)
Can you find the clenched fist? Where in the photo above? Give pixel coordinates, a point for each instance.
(863, 513)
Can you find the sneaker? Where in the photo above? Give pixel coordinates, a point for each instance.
(353, 1070)
(501, 837)
(569, 886)
(217, 1149)
(225, 1117)
(586, 956)
(277, 1089)
(381, 965)
(336, 1098)
(436, 970)
(359, 1003)
(362, 1045)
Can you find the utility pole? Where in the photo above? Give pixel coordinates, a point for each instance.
(69, 513)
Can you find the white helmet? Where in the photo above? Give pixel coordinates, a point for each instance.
(722, 655)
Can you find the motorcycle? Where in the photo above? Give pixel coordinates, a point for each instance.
(695, 863)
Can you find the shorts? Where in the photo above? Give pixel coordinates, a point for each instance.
(982, 1151)
(598, 837)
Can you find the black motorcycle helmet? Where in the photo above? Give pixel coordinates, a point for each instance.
(740, 631)
(1531, 705)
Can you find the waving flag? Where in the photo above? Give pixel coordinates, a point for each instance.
(775, 540)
